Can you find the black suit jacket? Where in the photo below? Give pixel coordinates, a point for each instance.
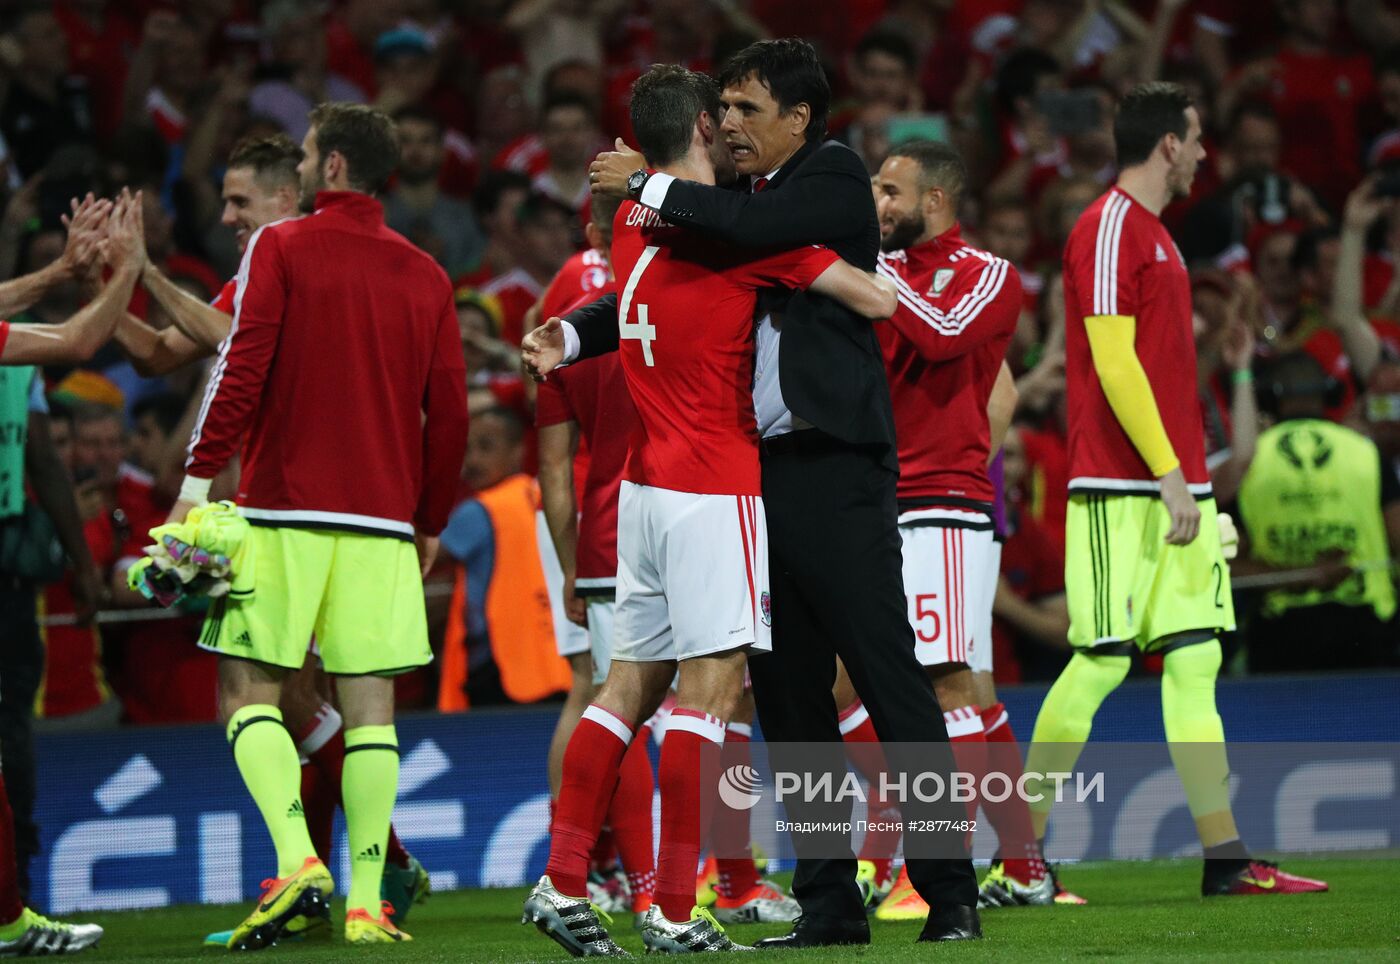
(829, 362)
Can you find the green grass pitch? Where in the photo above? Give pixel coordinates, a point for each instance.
(1148, 911)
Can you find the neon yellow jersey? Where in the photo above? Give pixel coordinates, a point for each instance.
(1315, 486)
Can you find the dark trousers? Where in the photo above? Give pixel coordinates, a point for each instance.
(21, 670)
(837, 590)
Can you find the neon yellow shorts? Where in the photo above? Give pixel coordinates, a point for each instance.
(360, 595)
(1125, 584)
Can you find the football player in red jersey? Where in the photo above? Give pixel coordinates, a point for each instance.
(692, 546)
(1144, 563)
(261, 186)
(944, 351)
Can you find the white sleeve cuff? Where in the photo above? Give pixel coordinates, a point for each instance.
(195, 490)
(654, 191)
(572, 346)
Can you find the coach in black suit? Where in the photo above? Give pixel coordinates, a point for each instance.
(829, 466)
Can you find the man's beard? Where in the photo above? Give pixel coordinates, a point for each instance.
(905, 232)
(309, 189)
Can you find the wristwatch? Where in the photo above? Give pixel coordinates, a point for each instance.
(635, 182)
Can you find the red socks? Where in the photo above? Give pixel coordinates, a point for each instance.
(863, 749)
(729, 828)
(592, 762)
(11, 905)
(1021, 856)
(322, 742)
(679, 776)
(629, 815)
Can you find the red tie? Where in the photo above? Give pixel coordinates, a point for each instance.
(760, 184)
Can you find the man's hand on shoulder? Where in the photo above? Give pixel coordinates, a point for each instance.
(542, 350)
(608, 174)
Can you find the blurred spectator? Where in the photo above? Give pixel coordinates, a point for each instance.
(350, 37)
(300, 78)
(42, 106)
(1318, 89)
(570, 135)
(554, 31)
(416, 208)
(497, 202)
(1255, 194)
(1007, 232)
(1028, 146)
(166, 76)
(503, 115)
(102, 37)
(500, 639)
(547, 239)
(1030, 612)
(159, 673)
(1319, 498)
(74, 693)
(1382, 411)
(1226, 316)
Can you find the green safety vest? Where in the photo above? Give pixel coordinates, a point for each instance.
(16, 384)
(1313, 486)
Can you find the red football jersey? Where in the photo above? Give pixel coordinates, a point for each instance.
(517, 291)
(594, 393)
(584, 275)
(686, 320)
(958, 306)
(1120, 260)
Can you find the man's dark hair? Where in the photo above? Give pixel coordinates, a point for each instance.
(492, 189)
(167, 408)
(940, 165)
(362, 135)
(1298, 380)
(509, 418)
(891, 42)
(1387, 62)
(1148, 113)
(1307, 249)
(419, 113)
(538, 206)
(273, 158)
(666, 102)
(793, 74)
(565, 99)
(1256, 109)
(1019, 76)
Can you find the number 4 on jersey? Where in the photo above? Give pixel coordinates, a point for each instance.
(640, 330)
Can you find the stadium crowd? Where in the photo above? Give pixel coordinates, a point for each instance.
(1291, 234)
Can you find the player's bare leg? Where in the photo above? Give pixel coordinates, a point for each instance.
(581, 690)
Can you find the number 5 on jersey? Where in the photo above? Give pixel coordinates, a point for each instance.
(641, 330)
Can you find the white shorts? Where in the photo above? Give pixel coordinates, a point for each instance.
(982, 631)
(946, 584)
(570, 639)
(692, 574)
(602, 615)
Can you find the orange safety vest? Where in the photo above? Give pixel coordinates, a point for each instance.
(518, 617)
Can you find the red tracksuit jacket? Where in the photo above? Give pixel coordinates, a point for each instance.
(344, 372)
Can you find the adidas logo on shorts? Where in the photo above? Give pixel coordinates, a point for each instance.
(371, 852)
(243, 639)
(295, 809)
